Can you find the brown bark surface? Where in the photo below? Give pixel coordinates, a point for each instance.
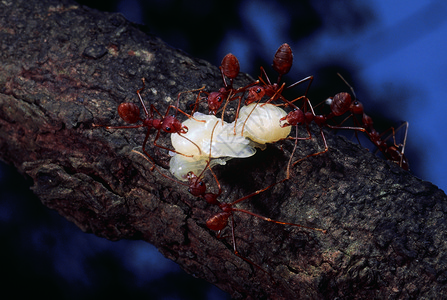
(64, 67)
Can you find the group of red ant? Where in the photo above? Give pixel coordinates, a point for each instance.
(342, 104)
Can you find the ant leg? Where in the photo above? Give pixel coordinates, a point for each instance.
(141, 99)
(232, 96)
(248, 116)
(236, 252)
(404, 142)
(393, 134)
(172, 150)
(186, 114)
(145, 152)
(225, 105)
(400, 145)
(153, 109)
(266, 77)
(237, 114)
(346, 82)
(326, 148)
(150, 159)
(198, 100)
(308, 78)
(277, 222)
(296, 138)
(190, 91)
(118, 127)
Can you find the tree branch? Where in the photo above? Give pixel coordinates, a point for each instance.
(65, 67)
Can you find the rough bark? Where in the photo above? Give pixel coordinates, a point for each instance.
(64, 67)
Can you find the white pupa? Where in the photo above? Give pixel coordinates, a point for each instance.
(225, 145)
(180, 165)
(261, 127)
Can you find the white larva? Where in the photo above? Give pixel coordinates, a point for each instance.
(181, 165)
(262, 125)
(225, 143)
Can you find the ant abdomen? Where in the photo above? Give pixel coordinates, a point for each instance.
(218, 221)
(283, 59)
(129, 112)
(230, 66)
(341, 103)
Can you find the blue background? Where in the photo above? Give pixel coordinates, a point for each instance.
(391, 52)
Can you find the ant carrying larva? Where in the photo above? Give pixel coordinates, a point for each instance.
(261, 126)
(219, 221)
(130, 113)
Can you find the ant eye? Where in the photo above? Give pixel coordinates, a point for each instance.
(219, 99)
(167, 129)
(258, 90)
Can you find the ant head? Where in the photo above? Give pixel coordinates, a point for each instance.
(283, 59)
(171, 124)
(215, 100)
(255, 93)
(230, 66)
(357, 107)
(294, 117)
(129, 112)
(354, 106)
(196, 185)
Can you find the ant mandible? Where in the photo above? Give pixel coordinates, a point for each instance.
(130, 113)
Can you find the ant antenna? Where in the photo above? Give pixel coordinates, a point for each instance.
(346, 82)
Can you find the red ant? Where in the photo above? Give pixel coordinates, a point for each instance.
(130, 113)
(342, 103)
(229, 68)
(282, 62)
(297, 117)
(219, 221)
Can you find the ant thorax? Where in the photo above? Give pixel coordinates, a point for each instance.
(257, 125)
